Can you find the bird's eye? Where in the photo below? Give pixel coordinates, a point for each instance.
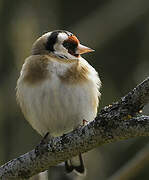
(70, 45)
(66, 44)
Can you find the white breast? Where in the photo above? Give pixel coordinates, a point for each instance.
(57, 107)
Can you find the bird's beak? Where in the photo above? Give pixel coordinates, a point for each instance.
(83, 49)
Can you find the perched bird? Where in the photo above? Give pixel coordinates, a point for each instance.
(57, 89)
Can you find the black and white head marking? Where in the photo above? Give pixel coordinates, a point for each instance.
(62, 44)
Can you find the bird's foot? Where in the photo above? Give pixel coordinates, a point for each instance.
(45, 139)
(39, 149)
(84, 122)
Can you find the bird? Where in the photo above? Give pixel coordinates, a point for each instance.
(58, 90)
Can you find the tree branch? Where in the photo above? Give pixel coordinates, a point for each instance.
(121, 120)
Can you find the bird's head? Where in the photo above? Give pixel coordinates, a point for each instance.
(60, 43)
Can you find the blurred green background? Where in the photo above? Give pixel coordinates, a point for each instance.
(119, 32)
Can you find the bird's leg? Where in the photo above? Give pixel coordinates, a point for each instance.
(45, 139)
(40, 147)
(84, 122)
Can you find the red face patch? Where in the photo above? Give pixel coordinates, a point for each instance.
(73, 38)
(71, 44)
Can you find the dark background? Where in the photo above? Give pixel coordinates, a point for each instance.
(119, 32)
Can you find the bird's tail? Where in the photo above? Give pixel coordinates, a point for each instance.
(75, 164)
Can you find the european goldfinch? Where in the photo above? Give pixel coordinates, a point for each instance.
(58, 89)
